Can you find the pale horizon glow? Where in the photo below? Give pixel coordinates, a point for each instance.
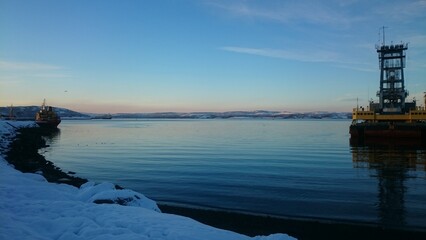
(199, 56)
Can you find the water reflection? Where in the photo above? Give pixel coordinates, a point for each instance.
(392, 164)
(51, 135)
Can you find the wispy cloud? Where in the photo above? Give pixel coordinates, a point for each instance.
(313, 12)
(316, 56)
(52, 75)
(12, 71)
(10, 65)
(397, 10)
(418, 41)
(358, 66)
(332, 13)
(5, 79)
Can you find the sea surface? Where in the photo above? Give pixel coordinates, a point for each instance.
(291, 168)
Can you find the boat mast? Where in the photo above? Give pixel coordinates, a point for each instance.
(11, 113)
(424, 98)
(43, 106)
(383, 30)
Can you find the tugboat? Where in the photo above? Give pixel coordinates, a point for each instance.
(46, 117)
(392, 118)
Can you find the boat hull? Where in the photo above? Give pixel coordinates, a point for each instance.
(48, 124)
(388, 132)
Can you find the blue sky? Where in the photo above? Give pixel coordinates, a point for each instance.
(193, 55)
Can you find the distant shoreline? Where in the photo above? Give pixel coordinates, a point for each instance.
(23, 154)
(28, 113)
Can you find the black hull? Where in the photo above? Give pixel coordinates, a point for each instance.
(48, 124)
(400, 133)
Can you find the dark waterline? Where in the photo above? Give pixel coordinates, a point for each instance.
(302, 168)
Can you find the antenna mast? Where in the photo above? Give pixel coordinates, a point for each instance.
(383, 30)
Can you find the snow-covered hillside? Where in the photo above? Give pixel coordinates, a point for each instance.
(239, 114)
(28, 112)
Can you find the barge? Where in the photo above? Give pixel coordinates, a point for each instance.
(392, 117)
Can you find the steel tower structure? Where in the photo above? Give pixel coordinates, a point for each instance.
(392, 93)
(392, 117)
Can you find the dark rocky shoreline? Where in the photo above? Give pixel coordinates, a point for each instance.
(23, 154)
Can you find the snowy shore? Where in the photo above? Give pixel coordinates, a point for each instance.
(32, 208)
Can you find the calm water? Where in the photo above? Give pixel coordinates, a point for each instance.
(281, 167)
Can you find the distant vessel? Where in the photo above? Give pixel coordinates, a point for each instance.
(103, 116)
(46, 117)
(392, 117)
(11, 115)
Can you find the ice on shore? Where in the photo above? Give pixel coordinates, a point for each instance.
(32, 208)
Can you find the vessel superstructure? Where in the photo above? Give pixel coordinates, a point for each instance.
(392, 116)
(46, 117)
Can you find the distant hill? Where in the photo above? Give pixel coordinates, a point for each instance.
(28, 112)
(238, 114)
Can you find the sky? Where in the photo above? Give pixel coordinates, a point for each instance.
(213, 55)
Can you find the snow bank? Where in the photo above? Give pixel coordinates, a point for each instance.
(8, 131)
(32, 208)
